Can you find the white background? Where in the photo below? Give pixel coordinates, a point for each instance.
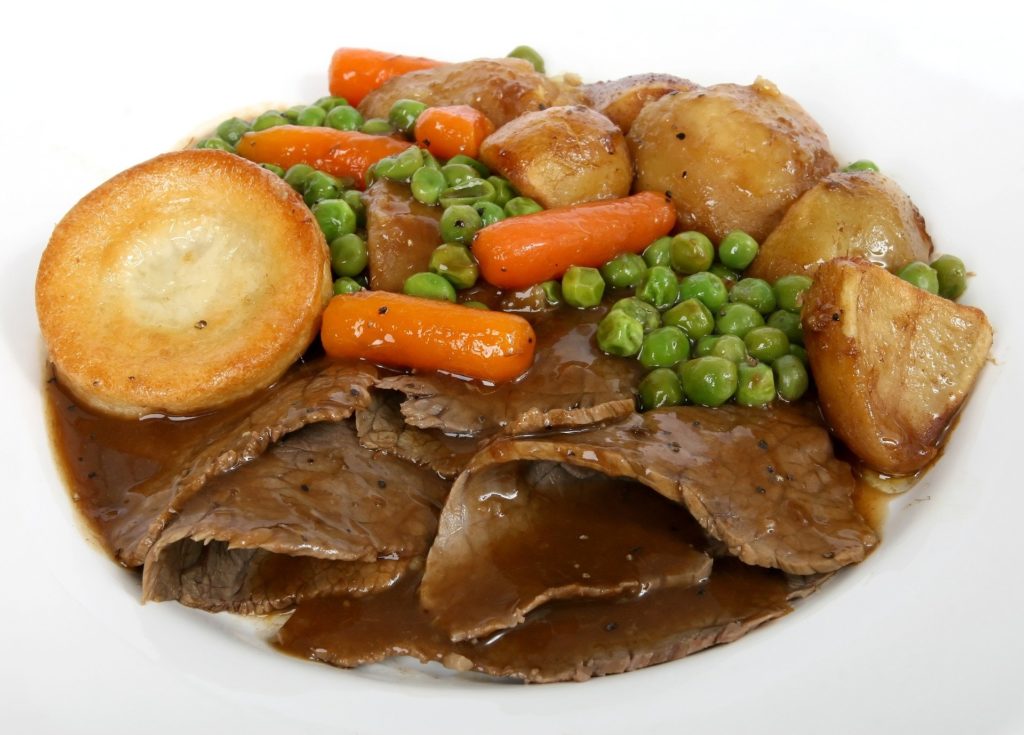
(924, 637)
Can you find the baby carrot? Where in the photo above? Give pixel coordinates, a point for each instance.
(449, 131)
(342, 153)
(521, 251)
(410, 332)
(355, 72)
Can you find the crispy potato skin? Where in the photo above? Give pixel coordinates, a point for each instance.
(502, 89)
(892, 362)
(621, 100)
(860, 214)
(732, 157)
(561, 156)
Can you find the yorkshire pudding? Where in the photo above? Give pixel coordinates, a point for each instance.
(180, 285)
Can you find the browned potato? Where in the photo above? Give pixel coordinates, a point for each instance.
(858, 214)
(731, 157)
(892, 362)
(621, 100)
(502, 89)
(401, 234)
(561, 156)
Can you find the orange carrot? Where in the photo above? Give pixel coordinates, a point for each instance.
(521, 251)
(343, 153)
(410, 332)
(449, 131)
(355, 72)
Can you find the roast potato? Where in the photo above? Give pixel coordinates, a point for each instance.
(731, 157)
(502, 89)
(892, 362)
(859, 214)
(621, 100)
(401, 234)
(561, 156)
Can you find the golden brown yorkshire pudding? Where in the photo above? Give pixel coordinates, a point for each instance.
(180, 285)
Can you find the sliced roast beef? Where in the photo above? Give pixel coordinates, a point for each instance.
(199, 450)
(764, 482)
(571, 383)
(516, 535)
(568, 640)
(316, 514)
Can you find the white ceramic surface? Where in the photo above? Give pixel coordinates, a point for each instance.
(924, 637)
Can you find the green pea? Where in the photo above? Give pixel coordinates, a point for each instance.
(456, 173)
(766, 344)
(861, 165)
(330, 102)
(791, 378)
(708, 381)
(456, 263)
(503, 191)
(346, 285)
(403, 166)
(552, 292)
(692, 317)
(659, 287)
(728, 275)
(489, 212)
(625, 270)
(311, 116)
(647, 315)
(691, 252)
(354, 198)
(273, 168)
(582, 287)
(708, 288)
(527, 53)
(788, 323)
(754, 292)
(789, 292)
(403, 113)
(737, 319)
(349, 255)
(376, 126)
(619, 334)
(518, 206)
(292, 113)
(344, 117)
(335, 218)
(459, 223)
(232, 130)
(427, 184)
(729, 346)
(800, 353)
(429, 161)
(476, 305)
(269, 119)
(659, 252)
(469, 191)
(660, 387)
(952, 275)
(320, 186)
(297, 176)
(921, 275)
(429, 286)
(215, 143)
(664, 347)
(481, 169)
(756, 385)
(737, 250)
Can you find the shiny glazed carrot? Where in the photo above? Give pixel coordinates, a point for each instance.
(355, 72)
(521, 251)
(342, 153)
(410, 332)
(449, 131)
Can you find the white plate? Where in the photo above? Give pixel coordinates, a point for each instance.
(923, 637)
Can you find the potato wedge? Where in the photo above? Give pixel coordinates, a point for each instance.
(621, 100)
(892, 363)
(561, 156)
(859, 214)
(731, 157)
(502, 89)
